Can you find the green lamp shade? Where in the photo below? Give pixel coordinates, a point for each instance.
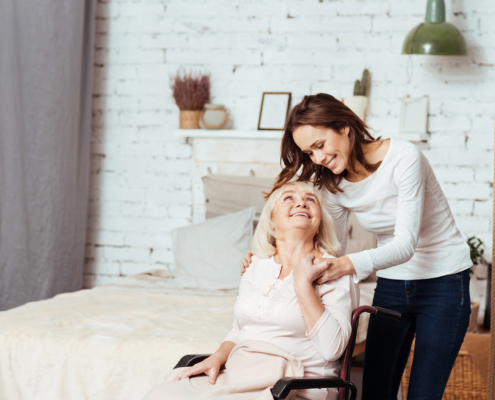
(435, 38)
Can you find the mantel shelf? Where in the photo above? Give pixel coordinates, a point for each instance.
(271, 135)
(228, 134)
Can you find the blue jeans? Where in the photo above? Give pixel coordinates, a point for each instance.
(437, 311)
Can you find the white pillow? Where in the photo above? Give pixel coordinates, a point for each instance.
(208, 255)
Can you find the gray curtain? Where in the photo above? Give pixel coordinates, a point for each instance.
(46, 58)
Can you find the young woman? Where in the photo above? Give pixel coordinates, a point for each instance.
(422, 261)
(281, 304)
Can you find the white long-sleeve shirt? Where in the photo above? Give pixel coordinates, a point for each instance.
(267, 309)
(404, 206)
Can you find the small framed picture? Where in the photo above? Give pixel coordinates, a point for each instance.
(275, 107)
(414, 115)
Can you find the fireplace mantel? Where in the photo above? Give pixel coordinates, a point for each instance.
(229, 152)
(271, 135)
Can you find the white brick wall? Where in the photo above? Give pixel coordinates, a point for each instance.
(141, 175)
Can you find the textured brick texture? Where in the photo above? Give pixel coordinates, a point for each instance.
(141, 175)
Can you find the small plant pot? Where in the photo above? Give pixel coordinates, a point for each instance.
(473, 320)
(357, 104)
(189, 119)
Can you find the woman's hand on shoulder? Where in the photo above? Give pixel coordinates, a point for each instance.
(337, 268)
(247, 260)
(308, 270)
(210, 366)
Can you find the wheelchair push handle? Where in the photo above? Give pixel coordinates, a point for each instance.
(384, 313)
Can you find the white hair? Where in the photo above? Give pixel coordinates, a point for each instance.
(263, 243)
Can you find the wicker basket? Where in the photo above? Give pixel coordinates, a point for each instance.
(465, 382)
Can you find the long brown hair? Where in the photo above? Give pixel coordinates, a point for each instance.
(322, 110)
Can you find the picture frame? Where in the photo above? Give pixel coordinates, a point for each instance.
(414, 115)
(274, 109)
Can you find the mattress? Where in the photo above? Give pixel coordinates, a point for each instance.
(112, 342)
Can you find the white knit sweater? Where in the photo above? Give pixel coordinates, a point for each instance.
(404, 206)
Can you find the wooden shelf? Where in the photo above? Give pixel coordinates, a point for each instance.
(228, 134)
(260, 135)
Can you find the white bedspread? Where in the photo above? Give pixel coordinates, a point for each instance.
(112, 342)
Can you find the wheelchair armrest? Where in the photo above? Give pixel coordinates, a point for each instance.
(284, 386)
(191, 359)
(384, 313)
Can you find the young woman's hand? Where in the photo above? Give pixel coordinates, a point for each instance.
(210, 366)
(309, 269)
(337, 267)
(245, 263)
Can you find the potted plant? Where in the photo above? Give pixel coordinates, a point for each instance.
(359, 101)
(476, 249)
(191, 92)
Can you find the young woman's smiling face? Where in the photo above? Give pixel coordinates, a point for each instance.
(324, 146)
(296, 209)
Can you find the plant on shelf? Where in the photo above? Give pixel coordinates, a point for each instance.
(359, 101)
(191, 92)
(361, 86)
(476, 250)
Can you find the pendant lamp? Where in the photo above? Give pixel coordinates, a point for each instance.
(435, 36)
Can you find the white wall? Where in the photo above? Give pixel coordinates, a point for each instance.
(141, 174)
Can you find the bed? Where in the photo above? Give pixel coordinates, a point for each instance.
(118, 341)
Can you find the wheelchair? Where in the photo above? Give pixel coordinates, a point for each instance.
(285, 385)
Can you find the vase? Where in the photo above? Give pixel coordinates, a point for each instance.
(213, 117)
(357, 104)
(189, 119)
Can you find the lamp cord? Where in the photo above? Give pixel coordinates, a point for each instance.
(414, 37)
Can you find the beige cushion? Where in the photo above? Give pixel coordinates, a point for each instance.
(225, 193)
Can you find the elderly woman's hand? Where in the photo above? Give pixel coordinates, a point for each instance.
(210, 366)
(308, 270)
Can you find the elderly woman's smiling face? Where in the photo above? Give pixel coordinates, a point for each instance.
(296, 209)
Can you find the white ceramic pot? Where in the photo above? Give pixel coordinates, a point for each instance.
(357, 104)
(213, 117)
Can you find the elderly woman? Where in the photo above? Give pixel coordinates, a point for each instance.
(280, 303)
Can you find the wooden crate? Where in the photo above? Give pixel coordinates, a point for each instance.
(465, 382)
